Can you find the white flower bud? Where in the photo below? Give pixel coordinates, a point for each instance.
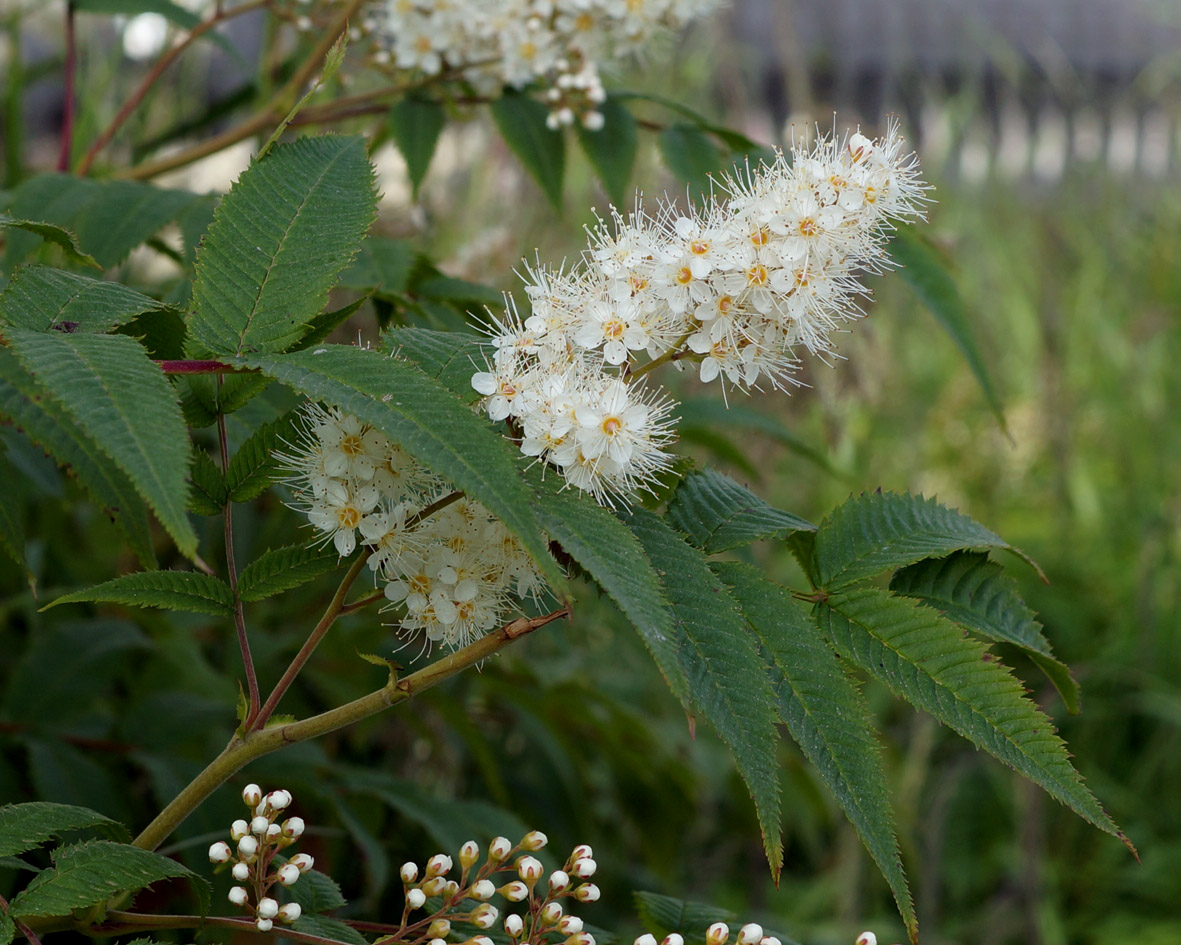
(558, 880)
(241, 872)
(570, 925)
(290, 912)
(468, 854)
(585, 868)
(645, 939)
(219, 852)
(750, 934)
(866, 938)
(498, 849)
(483, 890)
(259, 825)
(267, 908)
(450, 888)
(582, 852)
(593, 121)
(717, 934)
(514, 891)
(437, 941)
(247, 846)
(239, 829)
(587, 892)
(264, 925)
(513, 925)
(770, 940)
(274, 831)
(580, 938)
(551, 912)
(408, 872)
(438, 865)
(302, 862)
(237, 896)
(485, 916)
(251, 795)
(534, 840)
(482, 940)
(293, 827)
(439, 928)
(288, 874)
(278, 800)
(673, 938)
(529, 869)
(416, 899)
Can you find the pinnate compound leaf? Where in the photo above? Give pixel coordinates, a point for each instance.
(85, 874)
(252, 467)
(976, 593)
(49, 198)
(383, 265)
(168, 590)
(41, 298)
(927, 273)
(427, 421)
(329, 928)
(326, 323)
(29, 407)
(51, 234)
(727, 682)
(416, 124)
(451, 357)
(285, 568)
(612, 149)
(719, 514)
(661, 915)
(24, 827)
(927, 660)
(873, 532)
(541, 150)
(691, 157)
(119, 397)
(278, 242)
(208, 495)
(316, 892)
(125, 213)
(827, 717)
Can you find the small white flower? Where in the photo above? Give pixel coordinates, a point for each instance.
(289, 912)
(237, 895)
(587, 892)
(570, 925)
(750, 934)
(251, 795)
(219, 852)
(409, 872)
(302, 861)
(483, 889)
(264, 925)
(240, 872)
(415, 898)
(268, 908)
(238, 830)
(288, 874)
(558, 880)
(247, 847)
(513, 925)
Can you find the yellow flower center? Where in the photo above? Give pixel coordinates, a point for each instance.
(349, 517)
(809, 227)
(612, 425)
(761, 236)
(613, 328)
(757, 274)
(699, 247)
(684, 275)
(351, 445)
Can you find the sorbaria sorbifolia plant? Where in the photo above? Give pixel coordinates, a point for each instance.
(482, 467)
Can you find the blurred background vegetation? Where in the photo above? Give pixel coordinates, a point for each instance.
(1055, 158)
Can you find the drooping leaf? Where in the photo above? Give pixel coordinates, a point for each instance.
(415, 124)
(427, 421)
(383, 265)
(41, 298)
(541, 150)
(252, 468)
(30, 408)
(85, 874)
(826, 716)
(691, 157)
(278, 242)
(285, 568)
(719, 514)
(208, 495)
(727, 683)
(612, 149)
(123, 214)
(51, 234)
(872, 532)
(976, 593)
(26, 826)
(50, 198)
(120, 398)
(168, 590)
(451, 357)
(928, 274)
(927, 659)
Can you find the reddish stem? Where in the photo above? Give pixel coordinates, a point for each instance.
(202, 367)
(24, 929)
(71, 65)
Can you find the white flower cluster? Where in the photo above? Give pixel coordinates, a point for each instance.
(735, 286)
(256, 843)
(454, 572)
(467, 899)
(556, 43)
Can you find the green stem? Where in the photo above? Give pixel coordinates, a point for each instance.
(119, 923)
(243, 750)
(672, 354)
(21, 927)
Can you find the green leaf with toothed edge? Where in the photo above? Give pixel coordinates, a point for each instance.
(208, 495)
(252, 468)
(612, 149)
(168, 590)
(118, 396)
(874, 532)
(691, 157)
(284, 568)
(51, 234)
(542, 150)
(278, 241)
(727, 683)
(427, 421)
(86, 874)
(927, 660)
(316, 892)
(416, 124)
(41, 298)
(969, 589)
(451, 357)
(25, 827)
(719, 514)
(31, 409)
(827, 717)
(7, 929)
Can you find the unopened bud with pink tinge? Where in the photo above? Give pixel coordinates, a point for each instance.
(580, 938)
(408, 872)
(434, 886)
(239, 829)
(534, 840)
(293, 827)
(278, 800)
(529, 868)
(258, 826)
(585, 868)
(673, 938)
(770, 940)
(513, 925)
(717, 934)
(645, 939)
(485, 916)
(240, 872)
(219, 852)
(289, 912)
(481, 940)
(558, 880)
(302, 862)
(514, 891)
(468, 854)
(237, 896)
(415, 898)
(587, 892)
(483, 890)
(750, 934)
(582, 852)
(551, 913)
(264, 925)
(247, 846)
(268, 908)
(274, 832)
(439, 928)
(498, 849)
(569, 924)
(288, 874)
(438, 865)
(251, 795)
(866, 938)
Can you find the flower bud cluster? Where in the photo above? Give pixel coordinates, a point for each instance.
(512, 872)
(453, 574)
(717, 934)
(555, 44)
(255, 843)
(735, 286)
